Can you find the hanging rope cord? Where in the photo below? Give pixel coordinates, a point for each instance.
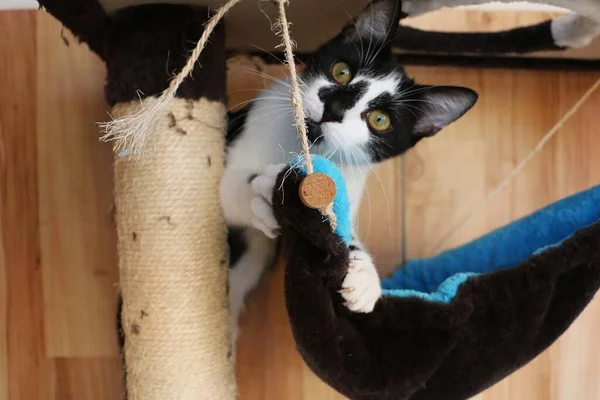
(129, 133)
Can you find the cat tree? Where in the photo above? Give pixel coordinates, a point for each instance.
(171, 232)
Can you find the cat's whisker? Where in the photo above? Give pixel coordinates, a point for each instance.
(387, 33)
(435, 103)
(409, 110)
(260, 97)
(246, 102)
(269, 53)
(331, 150)
(370, 32)
(271, 111)
(282, 112)
(362, 49)
(418, 89)
(315, 142)
(360, 57)
(278, 106)
(357, 169)
(267, 76)
(383, 188)
(244, 90)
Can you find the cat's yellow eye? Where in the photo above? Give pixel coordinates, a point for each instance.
(379, 120)
(341, 72)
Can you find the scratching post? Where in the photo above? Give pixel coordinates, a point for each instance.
(173, 259)
(171, 232)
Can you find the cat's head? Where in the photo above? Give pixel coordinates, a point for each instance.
(360, 103)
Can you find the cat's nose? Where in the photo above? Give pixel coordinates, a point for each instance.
(332, 112)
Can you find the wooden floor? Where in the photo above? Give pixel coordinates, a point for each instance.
(58, 268)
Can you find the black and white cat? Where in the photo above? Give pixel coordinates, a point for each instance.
(361, 109)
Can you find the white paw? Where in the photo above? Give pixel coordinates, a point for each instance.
(262, 201)
(361, 287)
(573, 30)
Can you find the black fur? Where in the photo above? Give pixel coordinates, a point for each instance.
(85, 18)
(409, 348)
(141, 59)
(121, 341)
(406, 104)
(526, 39)
(236, 120)
(237, 244)
(339, 99)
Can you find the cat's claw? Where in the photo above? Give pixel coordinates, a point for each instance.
(361, 287)
(262, 201)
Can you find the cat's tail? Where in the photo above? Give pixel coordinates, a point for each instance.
(564, 32)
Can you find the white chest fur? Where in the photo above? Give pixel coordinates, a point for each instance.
(269, 137)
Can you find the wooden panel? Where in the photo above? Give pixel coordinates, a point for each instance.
(89, 379)
(380, 217)
(268, 365)
(75, 187)
(462, 20)
(249, 23)
(518, 109)
(451, 174)
(26, 374)
(379, 220)
(567, 165)
(445, 179)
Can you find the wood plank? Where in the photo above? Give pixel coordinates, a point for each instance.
(463, 20)
(267, 362)
(566, 166)
(26, 373)
(380, 216)
(89, 379)
(267, 365)
(445, 178)
(451, 174)
(75, 185)
(517, 109)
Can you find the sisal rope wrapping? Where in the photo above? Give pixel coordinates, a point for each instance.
(130, 132)
(173, 258)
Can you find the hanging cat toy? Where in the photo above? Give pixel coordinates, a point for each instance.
(446, 327)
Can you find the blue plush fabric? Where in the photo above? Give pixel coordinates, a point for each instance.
(438, 278)
(341, 203)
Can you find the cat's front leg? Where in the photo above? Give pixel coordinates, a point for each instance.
(361, 287)
(262, 201)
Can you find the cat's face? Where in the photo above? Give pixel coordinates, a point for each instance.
(361, 107)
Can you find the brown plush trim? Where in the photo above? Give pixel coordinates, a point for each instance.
(470, 49)
(409, 348)
(85, 18)
(519, 40)
(147, 45)
(469, 61)
(502, 62)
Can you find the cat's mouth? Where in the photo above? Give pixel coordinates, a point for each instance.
(315, 133)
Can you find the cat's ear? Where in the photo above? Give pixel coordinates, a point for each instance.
(378, 22)
(439, 106)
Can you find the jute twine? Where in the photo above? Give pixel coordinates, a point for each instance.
(173, 258)
(283, 30)
(130, 132)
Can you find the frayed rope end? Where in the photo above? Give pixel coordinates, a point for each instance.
(130, 132)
